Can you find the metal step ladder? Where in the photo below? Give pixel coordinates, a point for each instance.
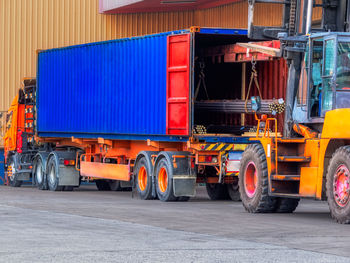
(29, 89)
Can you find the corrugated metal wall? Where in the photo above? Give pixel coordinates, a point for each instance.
(28, 25)
(236, 15)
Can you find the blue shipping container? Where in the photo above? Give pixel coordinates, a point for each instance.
(113, 89)
(2, 172)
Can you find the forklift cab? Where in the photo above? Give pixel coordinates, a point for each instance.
(324, 82)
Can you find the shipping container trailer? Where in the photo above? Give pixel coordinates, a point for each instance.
(159, 112)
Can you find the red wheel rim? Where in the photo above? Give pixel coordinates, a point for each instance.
(250, 179)
(162, 179)
(341, 186)
(142, 178)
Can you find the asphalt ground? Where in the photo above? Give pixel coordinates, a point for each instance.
(91, 226)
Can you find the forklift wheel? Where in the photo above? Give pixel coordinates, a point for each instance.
(253, 181)
(338, 185)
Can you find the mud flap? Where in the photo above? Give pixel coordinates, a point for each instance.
(68, 176)
(184, 185)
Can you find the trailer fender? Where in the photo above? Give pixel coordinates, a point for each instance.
(148, 155)
(183, 175)
(67, 175)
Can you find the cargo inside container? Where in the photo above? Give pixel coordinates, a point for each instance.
(224, 81)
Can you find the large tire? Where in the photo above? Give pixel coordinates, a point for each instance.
(11, 173)
(164, 181)
(253, 181)
(103, 185)
(39, 175)
(52, 175)
(338, 185)
(286, 205)
(115, 185)
(217, 191)
(183, 198)
(143, 179)
(233, 192)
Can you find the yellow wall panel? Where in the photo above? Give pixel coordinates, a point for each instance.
(29, 25)
(236, 15)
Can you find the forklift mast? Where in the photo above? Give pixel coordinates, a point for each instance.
(294, 33)
(297, 18)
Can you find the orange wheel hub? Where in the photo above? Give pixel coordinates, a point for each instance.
(341, 186)
(250, 179)
(163, 180)
(142, 178)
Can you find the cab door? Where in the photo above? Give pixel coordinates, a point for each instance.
(329, 74)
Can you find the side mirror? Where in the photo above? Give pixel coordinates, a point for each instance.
(256, 103)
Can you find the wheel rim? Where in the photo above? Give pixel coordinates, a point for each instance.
(341, 186)
(142, 178)
(11, 171)
(38, 173)
(163, 179)
(250, 179)
(52, 176)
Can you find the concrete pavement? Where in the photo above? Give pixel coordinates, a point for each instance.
(89, 226)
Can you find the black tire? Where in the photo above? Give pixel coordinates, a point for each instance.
(340, 165)
(52, 175)
(217, 191)
(164, 181)
(286, 205)
(257, 201)
(115, 185)
(233, 192)
(102, 185)
(12, 176)
(143, 179)
(39, 175)
(68, 188)
(183, 198)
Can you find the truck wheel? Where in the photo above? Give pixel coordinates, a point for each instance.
(102, 185)
(39, 175)
(11, 173)
(52, 175)
(143, 178)
(115, 185)
(286, 205)
(233, 192)
(164, 181)
(253, 181)
(338, 185)
(183, 198)
(217, 191)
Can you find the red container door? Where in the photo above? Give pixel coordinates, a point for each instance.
(178, 85)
